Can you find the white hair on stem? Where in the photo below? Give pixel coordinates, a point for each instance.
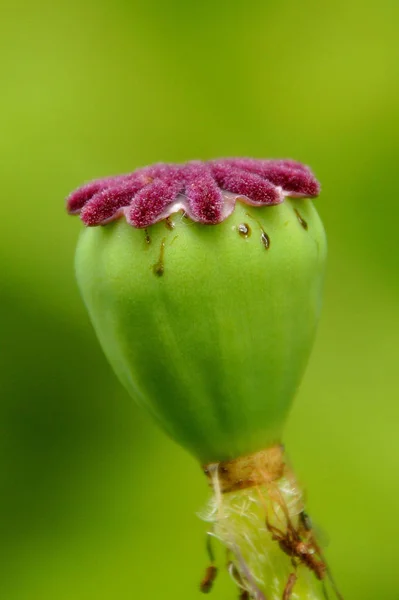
(259, 527)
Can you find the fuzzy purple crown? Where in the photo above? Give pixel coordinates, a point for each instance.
(205, 191)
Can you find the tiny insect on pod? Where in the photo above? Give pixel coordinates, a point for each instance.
(203, 282)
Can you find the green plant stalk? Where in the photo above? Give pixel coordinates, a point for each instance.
(271, 549)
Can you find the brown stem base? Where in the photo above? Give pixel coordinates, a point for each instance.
(248, 471)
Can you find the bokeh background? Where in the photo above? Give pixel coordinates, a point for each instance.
(95, 502)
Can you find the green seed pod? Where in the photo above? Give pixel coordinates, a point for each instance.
(209, 328)
(204, 285)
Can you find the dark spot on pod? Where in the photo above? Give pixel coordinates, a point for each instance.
(244, 230)
(169, 223)
(159, 267)
(264, 238)
(147, 237)
(301, 220)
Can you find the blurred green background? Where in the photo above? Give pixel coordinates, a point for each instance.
(95, 503)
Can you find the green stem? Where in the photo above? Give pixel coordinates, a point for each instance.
(272, 552)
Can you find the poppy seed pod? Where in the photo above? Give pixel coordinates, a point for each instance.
(203, 282)
(205, 289)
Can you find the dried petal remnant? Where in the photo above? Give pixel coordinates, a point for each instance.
(205, 191)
